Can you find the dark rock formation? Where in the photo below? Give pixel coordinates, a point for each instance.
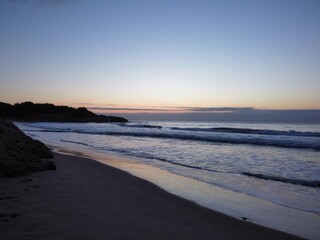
(28, 111)
(20, 154)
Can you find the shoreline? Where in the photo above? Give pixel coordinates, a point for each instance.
(231, 203)
(85, 199)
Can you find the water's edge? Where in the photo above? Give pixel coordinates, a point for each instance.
(234, 204)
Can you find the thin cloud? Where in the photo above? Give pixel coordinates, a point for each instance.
(220, 109)
(130, 109)
(175, 109)
(93, 104)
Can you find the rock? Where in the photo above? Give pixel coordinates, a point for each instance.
(20, 154)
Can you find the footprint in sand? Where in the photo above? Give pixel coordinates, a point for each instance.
(8, 197)
(26, 180)
(6, 217)
(28, 188)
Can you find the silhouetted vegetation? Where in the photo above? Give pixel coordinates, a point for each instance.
(28, 111)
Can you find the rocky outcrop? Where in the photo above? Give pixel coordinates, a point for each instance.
(20, 154)
(36, 112)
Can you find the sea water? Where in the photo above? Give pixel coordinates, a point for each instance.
(279, 163)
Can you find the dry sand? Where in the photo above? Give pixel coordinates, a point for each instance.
(85, 199)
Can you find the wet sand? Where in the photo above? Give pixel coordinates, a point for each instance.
(85, 199)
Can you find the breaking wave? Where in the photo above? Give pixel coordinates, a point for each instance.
(251, 131)
(307, 183)
(286, 142)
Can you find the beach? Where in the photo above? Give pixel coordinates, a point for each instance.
(84, 199)
(159, 120)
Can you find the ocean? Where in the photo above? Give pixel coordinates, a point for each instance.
(279, 163)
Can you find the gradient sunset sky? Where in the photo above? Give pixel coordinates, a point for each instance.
(150, 54)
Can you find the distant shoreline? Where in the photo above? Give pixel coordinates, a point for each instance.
(36, 112)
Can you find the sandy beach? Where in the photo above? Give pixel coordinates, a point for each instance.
(85, 199)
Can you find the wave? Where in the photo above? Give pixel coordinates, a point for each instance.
(280, 142)
(315, 184)
(147, 156)
(49, 130)
(307, 183)
(79, 143)
(251, 131)
(141, 126)
(141, 155)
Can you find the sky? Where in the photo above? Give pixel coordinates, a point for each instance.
(160, 56)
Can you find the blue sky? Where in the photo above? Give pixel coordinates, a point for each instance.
(160, 54)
